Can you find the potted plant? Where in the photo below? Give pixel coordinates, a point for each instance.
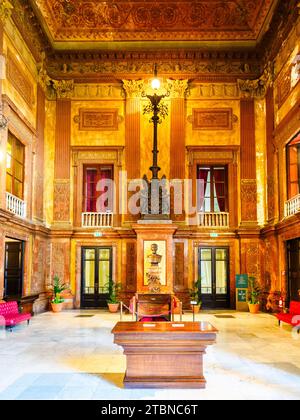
(57, 288)
(254, 293)
(113, 300)
(195, 296)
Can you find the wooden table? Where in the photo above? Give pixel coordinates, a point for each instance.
(164, 354)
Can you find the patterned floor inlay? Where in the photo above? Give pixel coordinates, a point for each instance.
(224, 316)
(84, 316)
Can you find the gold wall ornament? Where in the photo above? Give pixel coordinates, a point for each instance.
(5, 9)
(257, 88)
(133, 88)
(64, 88)
(178, 88)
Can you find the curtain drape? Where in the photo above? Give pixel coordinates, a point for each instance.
(202, 176)
(219, 187)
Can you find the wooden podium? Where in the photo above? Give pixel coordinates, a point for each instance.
(164, 354)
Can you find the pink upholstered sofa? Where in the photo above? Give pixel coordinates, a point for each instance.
(10, 312)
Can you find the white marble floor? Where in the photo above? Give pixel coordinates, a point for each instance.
(62, 356)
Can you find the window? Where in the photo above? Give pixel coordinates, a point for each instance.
(15, 166)
(94, 189)
(212, 191)
(293, 165)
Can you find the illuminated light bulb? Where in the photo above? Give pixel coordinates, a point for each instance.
(1, 156)
(155, 84)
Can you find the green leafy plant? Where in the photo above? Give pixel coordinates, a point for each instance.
(195, 292)
(114, 290)
(254, 292)
(57, 288)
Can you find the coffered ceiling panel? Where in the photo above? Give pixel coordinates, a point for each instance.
(82, 22)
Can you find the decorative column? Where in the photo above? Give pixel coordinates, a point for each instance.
(61, 212)
(271, 157)
(178, 90)
(248, 164)
(38, 209)
(133, 89)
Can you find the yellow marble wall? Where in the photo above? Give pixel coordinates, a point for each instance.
(98, 138)
(287, 55)
(49, 155)
(212, 137)
(14, 43)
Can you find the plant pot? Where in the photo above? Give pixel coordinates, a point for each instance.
(196, 308)
(113, 307)
(56, 307)
(254, 308)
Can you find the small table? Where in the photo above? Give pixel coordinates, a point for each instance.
(164, 354)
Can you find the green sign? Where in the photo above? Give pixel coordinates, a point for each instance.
(242, 295)
(241, 281)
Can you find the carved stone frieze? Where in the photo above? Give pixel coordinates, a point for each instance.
(98, 119)
(189, 64)
(213, 119)
(19, 79)
(214, 90)
(249, 200)
(5, 9)
(61, 212)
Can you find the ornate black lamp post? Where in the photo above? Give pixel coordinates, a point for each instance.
(159, 111)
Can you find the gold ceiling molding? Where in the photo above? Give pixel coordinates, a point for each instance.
(177, 20)
(5, 9)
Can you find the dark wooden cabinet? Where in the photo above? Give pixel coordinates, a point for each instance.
(154, 306)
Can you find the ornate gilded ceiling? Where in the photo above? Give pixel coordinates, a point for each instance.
(82, 22)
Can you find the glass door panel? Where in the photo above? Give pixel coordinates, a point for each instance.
(206, 271)
(96, 276)
(213, 271)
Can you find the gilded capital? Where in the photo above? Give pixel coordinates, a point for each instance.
(64, 88)
(178, 88)
(43, 78)
(133, 88)
(5, 9)
(257, 88)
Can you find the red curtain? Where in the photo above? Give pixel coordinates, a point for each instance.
(203, 176)
(103, 205)
(91, 175)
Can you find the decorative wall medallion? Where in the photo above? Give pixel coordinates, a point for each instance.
(19, 79)
(98, 119)
(212, 119)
